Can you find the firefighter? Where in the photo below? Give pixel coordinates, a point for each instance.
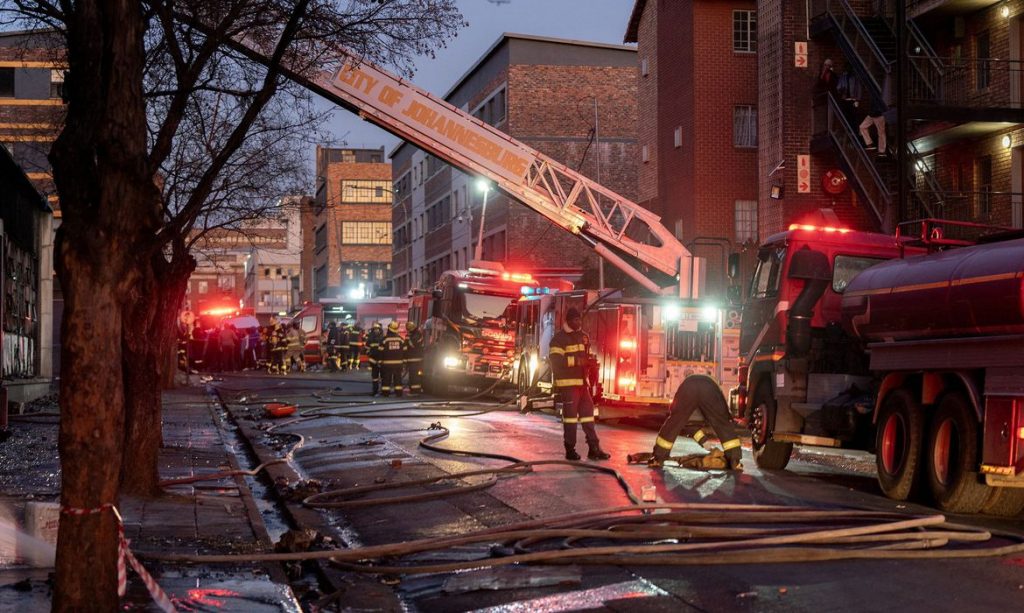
(296, 343)
(569, 356)
(699, 392)
(355, 346)
(332, 346)
(343, 345)
(373, 340)
(277, 345)
(414, 357)
(392, 357)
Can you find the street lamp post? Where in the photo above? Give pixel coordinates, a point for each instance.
(485, 187)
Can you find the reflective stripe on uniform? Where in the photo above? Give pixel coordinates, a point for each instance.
(660, 442)
(413, 359)
(586, 420)
(733, 444)
(574, 348)
(568, 382)
(699, 435)
(570, 420)
(392, 362)
(571, 361)
(558, 350)
(385, 388)
(414, 387)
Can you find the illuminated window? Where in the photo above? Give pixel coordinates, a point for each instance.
(366, 233)
(372, 192)
(56, 83)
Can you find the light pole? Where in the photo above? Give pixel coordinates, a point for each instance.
(483, 186)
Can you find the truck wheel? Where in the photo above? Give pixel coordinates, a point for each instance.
(768, 454)
(1004, 502)
(523, 379)
(953, 457)
(438, 377)
(898, 444)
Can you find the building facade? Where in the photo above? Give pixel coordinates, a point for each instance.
(697, 64)
(574, 101)
(273, 275)
(347, 231)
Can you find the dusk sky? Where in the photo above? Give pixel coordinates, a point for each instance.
(591, 20)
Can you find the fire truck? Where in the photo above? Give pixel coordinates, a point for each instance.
(910, 346)
(644, 347)
(469, 325)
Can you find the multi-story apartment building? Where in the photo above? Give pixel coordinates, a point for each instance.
(574, 101)
(273, 275)
(347, 232)
(697, 78)
(945, 78)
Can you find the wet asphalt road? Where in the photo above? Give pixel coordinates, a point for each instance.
(343, 451)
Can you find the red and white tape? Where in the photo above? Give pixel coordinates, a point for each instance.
(125, 554)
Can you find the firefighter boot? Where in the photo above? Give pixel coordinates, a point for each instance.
(569, 438)
(733, 453)
(596, 453)
(570, 453)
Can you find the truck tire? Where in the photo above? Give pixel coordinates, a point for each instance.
(898, 442)
(768, 454)
(952, 455)
(1004, 502)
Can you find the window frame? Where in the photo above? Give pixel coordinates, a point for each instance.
(744, 31)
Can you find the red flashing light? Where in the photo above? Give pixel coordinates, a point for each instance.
(516, 276)
(627, 382)
(811, 228)
(627, 343)
(220, 311)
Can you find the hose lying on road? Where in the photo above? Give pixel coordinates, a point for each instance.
(222, 474)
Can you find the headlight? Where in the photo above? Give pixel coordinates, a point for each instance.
(450, 362)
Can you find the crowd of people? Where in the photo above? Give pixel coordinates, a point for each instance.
(281, 348)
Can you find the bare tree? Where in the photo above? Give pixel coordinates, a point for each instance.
(164, 122)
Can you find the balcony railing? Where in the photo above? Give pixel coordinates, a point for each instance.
(969, 83)
(984, 206)
(856, 41)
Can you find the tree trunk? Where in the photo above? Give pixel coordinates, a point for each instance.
(149, 335)
(110, 210)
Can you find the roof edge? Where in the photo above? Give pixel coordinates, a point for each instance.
(633, 27)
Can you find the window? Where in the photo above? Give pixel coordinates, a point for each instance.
(374, 192)
(348, 157)
(204, 287)
(847, 267)
(225, 283)
(320, 280)
(366, 233)
(744, 31)
(6, 82)
(319, 241)
(56, 83)
(744, 126)
(746, 221)
(677, 137)
(766, 278)
(983, 51)
(439, 213)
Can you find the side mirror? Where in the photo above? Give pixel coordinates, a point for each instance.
(733, 271)
(436, 294)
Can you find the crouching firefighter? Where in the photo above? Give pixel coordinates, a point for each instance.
(569, 352)
(699, 392)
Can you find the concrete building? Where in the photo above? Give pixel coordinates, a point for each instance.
(347, 231)
(273, 275)
(26, 232)
(574, 101)
(697, 78)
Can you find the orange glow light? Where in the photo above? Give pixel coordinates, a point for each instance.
(219, 311)
(811, 228)
(627, 382)
(516, 276)
(627, 343)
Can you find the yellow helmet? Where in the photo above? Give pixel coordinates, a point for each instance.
(393, 326)
(410, 325)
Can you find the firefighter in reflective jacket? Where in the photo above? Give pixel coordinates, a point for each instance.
(569, 353)
(355, 346)
(278, 346)
(414, 357)
(391, 358)
(344, 336)
(699, 392)
(373, 341)
(332, 345)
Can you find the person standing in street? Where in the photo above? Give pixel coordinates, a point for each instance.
(296, 342)
(332, 345)
(414, 356)
(343, 345)
(373, 340)
(392, 358)
(277, 345)
(569, 355)
(355, 346)
(699, 392)
(229, 348)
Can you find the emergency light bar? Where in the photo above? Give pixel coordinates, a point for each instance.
(810, 228)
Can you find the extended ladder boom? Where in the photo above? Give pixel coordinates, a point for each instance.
(611, 224)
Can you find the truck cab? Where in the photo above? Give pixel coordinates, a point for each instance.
(794, 353)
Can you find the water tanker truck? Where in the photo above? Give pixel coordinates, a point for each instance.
(911, 346)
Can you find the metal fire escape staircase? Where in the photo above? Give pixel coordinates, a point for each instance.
(869, 46)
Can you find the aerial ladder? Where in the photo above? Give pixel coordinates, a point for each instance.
(622, 232)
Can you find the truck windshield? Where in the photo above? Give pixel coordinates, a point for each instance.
(766, 277)
(484, 306)
(847, 267)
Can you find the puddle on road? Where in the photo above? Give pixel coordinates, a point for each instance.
(207, 589)
(593, 598)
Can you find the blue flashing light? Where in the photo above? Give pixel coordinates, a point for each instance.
(526, 290)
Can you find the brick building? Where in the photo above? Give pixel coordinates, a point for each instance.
(546, 93)
(697, 77)
(347, 232)
(956, 89)
(273, 273)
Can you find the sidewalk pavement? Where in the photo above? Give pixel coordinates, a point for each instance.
(218, 516)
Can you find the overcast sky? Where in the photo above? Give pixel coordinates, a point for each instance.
(591, 20)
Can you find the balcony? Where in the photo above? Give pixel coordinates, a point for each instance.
(945, 8)
(988, 207)
(966, 89)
